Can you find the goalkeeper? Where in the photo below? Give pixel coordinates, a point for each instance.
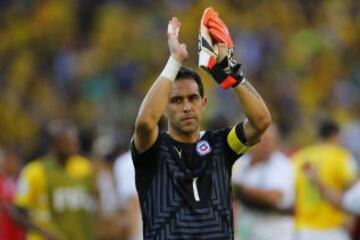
(183, 175)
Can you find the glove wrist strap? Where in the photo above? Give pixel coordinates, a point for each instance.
(227, 78)
(238, 75)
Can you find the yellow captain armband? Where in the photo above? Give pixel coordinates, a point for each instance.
(235, 143)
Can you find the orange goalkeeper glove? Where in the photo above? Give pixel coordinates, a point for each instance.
(207, 50)
(219, 31)
(226, 71)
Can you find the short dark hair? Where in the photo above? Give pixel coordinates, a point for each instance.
(328, 128)
(187, 73)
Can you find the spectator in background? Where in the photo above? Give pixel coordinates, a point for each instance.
(109, 220)
(87, 58)
(264, 183)
(55, 193)
(128, 200)
(316, 217)
(349, 200)
(9, 169)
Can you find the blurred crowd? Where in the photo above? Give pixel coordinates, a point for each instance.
(92, 61)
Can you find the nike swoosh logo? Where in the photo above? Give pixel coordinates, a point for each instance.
(206, 45)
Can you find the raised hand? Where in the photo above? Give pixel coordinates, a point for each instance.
(311, 172)
(177, 50)
(219, 31)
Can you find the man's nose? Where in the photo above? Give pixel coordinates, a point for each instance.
(187, 106)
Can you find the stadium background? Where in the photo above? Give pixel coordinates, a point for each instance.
(92, 61)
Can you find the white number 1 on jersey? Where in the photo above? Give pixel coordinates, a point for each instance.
(196, 192)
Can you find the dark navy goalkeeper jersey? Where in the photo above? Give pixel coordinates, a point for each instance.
(185, 189)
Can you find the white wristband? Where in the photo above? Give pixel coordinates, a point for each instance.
(171, 69)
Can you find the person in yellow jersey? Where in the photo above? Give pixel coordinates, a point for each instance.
(349, 200)
(316, 218)
(55, 195)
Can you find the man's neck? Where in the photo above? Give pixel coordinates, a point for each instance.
(331, 141)
(60, 159)
(185, 138)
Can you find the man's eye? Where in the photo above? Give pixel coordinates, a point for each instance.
(195, 97)
(176, 100)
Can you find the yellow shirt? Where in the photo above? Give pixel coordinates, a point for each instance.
(335, 170)
(32, 190)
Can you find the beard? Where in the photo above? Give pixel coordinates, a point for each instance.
(185, 129)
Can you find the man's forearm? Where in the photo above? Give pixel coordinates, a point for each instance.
(268, 197)
(133, 214)
(256, 111)
(154, 103)
(20, 216)
(332, 195)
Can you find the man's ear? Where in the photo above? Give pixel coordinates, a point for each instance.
(204, 101)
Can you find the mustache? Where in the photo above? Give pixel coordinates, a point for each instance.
(188, 117)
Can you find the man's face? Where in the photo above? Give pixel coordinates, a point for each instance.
(268, 144)
(67, 144)
(185, 107)
(10, 164)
